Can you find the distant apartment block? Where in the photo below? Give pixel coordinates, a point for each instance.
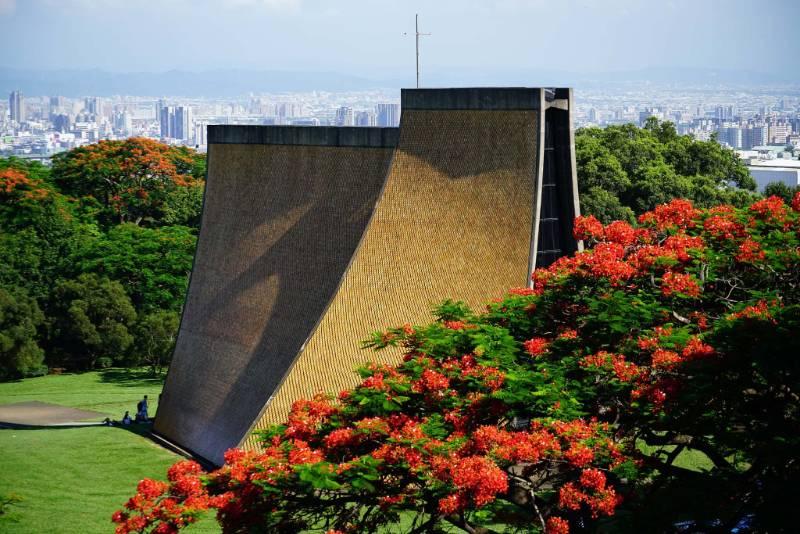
(388, 114)
(345, 116)
(16, 106)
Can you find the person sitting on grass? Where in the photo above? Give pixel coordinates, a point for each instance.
(126, 419)
(141, 410)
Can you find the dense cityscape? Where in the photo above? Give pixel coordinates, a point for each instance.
(762, 125)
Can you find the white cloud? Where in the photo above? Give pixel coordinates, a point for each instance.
(7, 7)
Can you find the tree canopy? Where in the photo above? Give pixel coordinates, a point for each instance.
(624, 170)
(646, 381)
(56, 226)
(131, 179)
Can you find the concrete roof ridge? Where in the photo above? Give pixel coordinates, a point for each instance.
(478, 98)
(348, 136)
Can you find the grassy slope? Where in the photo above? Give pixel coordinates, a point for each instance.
(71, 480)
(111, 391)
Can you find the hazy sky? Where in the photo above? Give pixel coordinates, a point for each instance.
(366, 37)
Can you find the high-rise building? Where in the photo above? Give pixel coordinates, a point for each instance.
(366, 118)
(345, 117)
(778, 132)
(183, 123)
(200, 133)
(388, 114)
(93, 105)
(61, 122)
(58, 105)
(755, 135)
(123, 122)
(724, 113)
(288, 109)
(167, 121)
(731, 136)
(16, 105)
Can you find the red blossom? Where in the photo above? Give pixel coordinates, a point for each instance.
(453, 503)
(665, 359)
(579, 455)
(620, 232)
(771, 209)
(536, 346)
(681, 284)
(480, 478)
(557, 525)
(593, 479)
(678, 213)
(569, 333)
(150, 489)
(681, 244)
(570, 497)
(521, 291)
(341, 437)
(724, 227)
(759, 311)
(750, 252)
(431, 381)
(696, 349)
(587, 227)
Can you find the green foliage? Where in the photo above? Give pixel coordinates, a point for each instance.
(183, 206)
(152, 264)
(131, 180)
(644, 381)
(20, 354)
(56, 226)
(780, 189)
(154, 336)
(625, 170)
(91, 318)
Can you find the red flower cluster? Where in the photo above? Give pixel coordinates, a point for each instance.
(770, 210)
(678, 213)
(164, 508)
(557, 525)
(431, 382)
(477, 479)
(679, 284)
(446, 426)
(588, 228)
(536, 346)
(750, 252)
(623, 370)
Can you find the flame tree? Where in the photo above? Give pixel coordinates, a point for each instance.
(556, 408)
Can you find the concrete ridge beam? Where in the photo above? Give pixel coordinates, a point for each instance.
(349, 136)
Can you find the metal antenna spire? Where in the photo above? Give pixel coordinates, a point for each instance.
(417, 35)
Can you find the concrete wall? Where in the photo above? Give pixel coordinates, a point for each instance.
(312, 238)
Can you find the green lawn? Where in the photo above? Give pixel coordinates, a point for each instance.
(70, 480)
(110, 391)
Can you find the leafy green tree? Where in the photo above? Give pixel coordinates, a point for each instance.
(32, 168)
(39, 229)
(183, 206)
(624, 170)
(154, 336)
(91, 317)
(20, 354)
(130, 179)
(152, 264)
(646, 381)
(780, 189)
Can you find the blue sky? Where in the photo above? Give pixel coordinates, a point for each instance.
(366, 37)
